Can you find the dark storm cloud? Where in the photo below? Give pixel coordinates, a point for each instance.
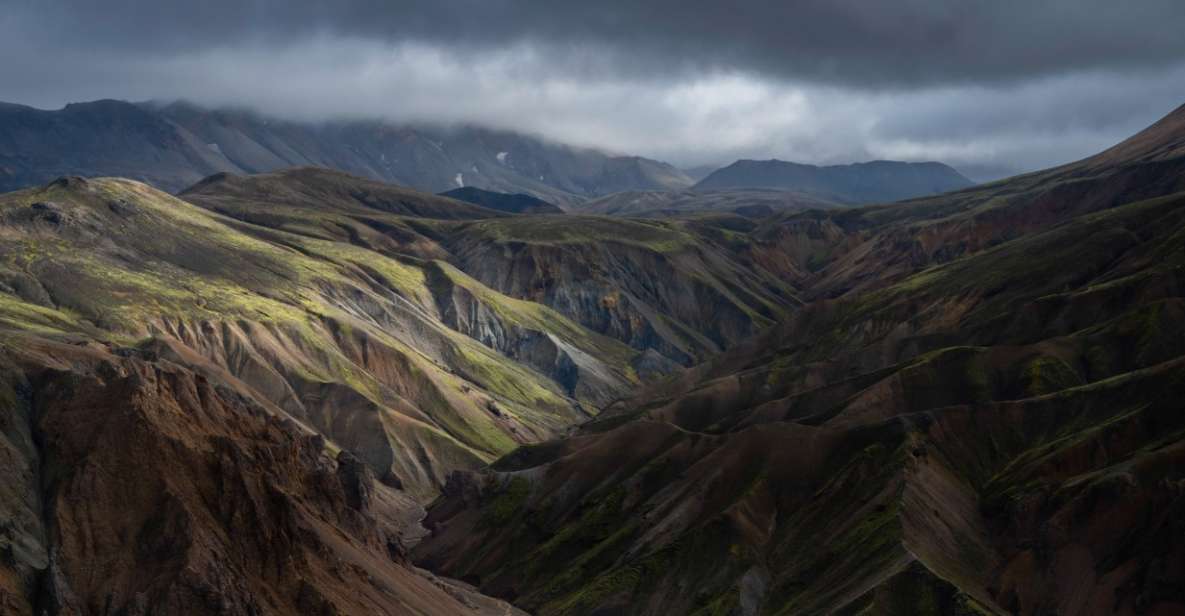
(991, 86)
(851, 42)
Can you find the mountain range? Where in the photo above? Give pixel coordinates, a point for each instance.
(172, 146)
(309, 390)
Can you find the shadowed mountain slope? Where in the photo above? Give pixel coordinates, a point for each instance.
(679, 288)
(503, 202)
(310, 354)
(996, 430)
(678, 291)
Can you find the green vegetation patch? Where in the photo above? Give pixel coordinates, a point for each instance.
(508, 503)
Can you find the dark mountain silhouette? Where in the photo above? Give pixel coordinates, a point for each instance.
(878, 181)
(503, 202)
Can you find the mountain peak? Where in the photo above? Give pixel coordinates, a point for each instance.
(1163, 140)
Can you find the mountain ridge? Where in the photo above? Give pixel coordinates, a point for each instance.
(878, 181)
(175, 145)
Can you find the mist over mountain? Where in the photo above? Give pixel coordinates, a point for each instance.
(174, 146)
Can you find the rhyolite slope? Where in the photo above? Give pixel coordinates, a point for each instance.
(416, 369)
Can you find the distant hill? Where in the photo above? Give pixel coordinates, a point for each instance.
(879, 181)
(503, 202)
(173, 146)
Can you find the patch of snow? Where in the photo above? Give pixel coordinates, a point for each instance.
(474, 167)
(460, 180)
(217, 148)
(502, 157)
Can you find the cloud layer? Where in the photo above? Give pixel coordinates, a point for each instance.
(989, 86)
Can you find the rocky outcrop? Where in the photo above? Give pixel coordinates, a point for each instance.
(589, 367)
(341, 338)
(159, 490)
(648, 285)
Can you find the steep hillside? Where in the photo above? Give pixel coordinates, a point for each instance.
(503, 202)
(878, 181)
(132, 485)
(676, 288)
(992, 430)
(304, 357)
(174, 146)
(415, 368)
(872, 247)
(940, 422)
(677, 291)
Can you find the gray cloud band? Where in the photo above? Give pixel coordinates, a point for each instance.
(849, 42)
(694, 82)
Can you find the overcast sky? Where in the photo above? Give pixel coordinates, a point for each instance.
(989, 86)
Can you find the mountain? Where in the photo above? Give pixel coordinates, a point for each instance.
(678, 291)
(503, 202)
(878, 181)
(304, 356)
(975, 410)
(173, 146)
(309, 391)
